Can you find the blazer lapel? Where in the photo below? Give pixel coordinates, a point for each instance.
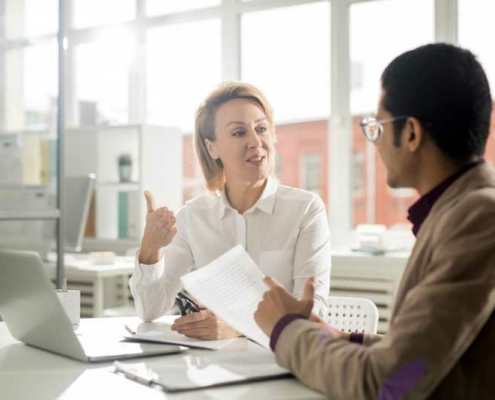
(416, 268)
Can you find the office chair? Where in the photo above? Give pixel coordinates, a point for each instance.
(352, 314)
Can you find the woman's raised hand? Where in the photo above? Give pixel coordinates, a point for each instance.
(159, 231)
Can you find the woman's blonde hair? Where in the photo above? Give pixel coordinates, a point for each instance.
(205, 126)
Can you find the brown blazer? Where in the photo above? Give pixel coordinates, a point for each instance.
(441, 340)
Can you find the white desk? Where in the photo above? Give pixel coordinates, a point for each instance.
(84, 271)
(28, 373)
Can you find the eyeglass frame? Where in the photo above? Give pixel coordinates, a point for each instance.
(366, 122)
(186, 305)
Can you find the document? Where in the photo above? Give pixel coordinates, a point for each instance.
(231, 287)
(161, 332)
(195, 372)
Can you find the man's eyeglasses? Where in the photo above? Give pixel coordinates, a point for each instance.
(186, 305)
(373, 128)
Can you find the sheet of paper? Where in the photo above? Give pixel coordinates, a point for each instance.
(231, 287)
(160, 332)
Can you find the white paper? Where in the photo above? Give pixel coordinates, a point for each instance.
(161, 332)
(231, 287)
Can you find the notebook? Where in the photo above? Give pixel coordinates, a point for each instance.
(34, 315)
(161, 332)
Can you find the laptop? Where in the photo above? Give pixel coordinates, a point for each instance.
(34, 315)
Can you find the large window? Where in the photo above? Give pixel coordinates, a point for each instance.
(30, 94)
(89, 13)
(29, 18)
(474, 16)
(295, 77)
(311, 172)
(183, 65)
(161, 7)
(289, 63)
(374, 42)
(101, 72)
(28, 123)
(154, 61)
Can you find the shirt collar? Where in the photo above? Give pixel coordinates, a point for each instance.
(421, 208)
(265, 203)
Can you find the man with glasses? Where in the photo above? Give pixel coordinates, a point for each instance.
(430, 130)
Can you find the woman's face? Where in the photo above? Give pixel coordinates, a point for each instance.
(244, 142)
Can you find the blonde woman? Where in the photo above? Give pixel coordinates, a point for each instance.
(284, 230)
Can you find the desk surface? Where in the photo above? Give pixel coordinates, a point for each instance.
(28, 373)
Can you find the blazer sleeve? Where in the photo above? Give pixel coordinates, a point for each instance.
(426, 338)
(370, 339)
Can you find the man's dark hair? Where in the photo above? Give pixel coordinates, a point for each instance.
(446, 89)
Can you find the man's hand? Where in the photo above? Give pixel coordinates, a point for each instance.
(159, 231)
(334, 333)
(277, 302)
(204, 325)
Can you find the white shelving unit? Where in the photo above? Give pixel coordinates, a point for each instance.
(157, 166)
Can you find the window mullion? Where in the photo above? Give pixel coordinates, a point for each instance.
(340, 130)
(231, 53)
(137, 73)
(446, 21)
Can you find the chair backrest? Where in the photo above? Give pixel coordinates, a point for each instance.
(352, 314)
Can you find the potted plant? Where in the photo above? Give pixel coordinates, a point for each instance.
(125, 167)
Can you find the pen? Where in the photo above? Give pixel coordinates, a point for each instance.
(186, 305)
(138, 373)
(129, 330)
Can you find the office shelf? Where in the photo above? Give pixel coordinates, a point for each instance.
(123, 186)
(119, 206)
(23, 214)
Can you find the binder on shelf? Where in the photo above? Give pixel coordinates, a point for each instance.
(133, 214)
(48, 172)
(107, 213)
(117, 212)
(122, 215)
(11, 159)
(32, 159)
(91, 221)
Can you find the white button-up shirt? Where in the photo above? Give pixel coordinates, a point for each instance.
(286, 233)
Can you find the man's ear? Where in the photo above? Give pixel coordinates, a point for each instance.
(210, 146)
(414, 134)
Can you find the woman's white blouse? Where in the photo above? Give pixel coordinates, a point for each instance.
(286, 233)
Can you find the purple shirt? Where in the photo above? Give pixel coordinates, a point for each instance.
(417, 214)
(420, 210)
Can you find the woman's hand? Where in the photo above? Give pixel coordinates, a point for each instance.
(159, 231)
(204, 325)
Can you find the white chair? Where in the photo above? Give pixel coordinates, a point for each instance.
(352, 314)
